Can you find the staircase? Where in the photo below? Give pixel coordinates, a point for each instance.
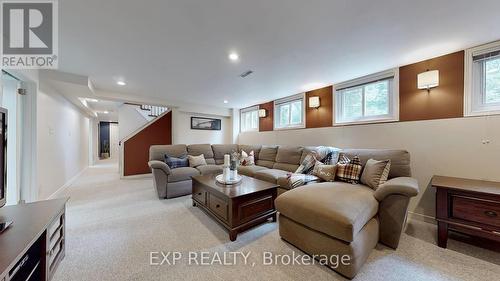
(153, 110)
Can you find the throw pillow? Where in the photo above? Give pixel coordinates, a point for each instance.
(247, 159)
(176, 162)
(375, 173)
(307, 164)
(325, 172)
(349, 170)
(195, 161)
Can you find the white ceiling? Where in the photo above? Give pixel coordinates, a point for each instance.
(177, 50)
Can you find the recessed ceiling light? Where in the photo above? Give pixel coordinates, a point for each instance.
(234, 56)
(105, 112)
(226, 101)
(121, 83)
(92, 100)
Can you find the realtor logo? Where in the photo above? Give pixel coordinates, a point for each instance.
(29, 34)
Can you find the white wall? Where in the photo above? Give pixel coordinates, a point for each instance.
(182, 133)
(451, 147)
(129, 120)
(62, 142)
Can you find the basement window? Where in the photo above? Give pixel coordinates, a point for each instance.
(289, 112)
(249, 119)
(482, 82)
(368, 99)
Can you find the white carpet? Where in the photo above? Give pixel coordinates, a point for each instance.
(113, 225)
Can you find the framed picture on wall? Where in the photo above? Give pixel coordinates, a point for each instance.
(202, 123)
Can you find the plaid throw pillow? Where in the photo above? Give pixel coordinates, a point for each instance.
(176, 162)
(349, 170)
(307, 164)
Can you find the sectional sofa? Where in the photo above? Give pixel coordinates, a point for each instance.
(329, 218)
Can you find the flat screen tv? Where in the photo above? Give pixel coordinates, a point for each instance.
(3, 156)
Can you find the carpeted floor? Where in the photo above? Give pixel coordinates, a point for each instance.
(113, 225)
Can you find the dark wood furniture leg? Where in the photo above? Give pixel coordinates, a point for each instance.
(232, 235)
(442, 234)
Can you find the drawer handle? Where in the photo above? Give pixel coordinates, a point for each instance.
(217, 206)
(490, 214)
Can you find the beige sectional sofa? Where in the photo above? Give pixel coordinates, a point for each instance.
(329, 218)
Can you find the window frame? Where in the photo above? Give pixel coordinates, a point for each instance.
(289, 100)
(249, 110)
(391, 75)
(474, 99)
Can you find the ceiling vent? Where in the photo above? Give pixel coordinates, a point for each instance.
(246, 73)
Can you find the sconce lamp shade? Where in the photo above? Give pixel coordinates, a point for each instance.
(262, 113)
(314, 102)
(428, 79)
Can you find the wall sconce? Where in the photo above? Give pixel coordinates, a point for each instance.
(262, 113)
(314, 102)
(427, 80)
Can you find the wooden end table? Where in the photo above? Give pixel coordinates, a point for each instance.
(467, 206)
(236, 207)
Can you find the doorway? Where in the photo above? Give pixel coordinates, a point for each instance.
(113, 140)
(108, 140)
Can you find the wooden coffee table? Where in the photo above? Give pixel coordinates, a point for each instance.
(236, 207)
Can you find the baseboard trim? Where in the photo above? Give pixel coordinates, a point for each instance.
(67, 184)
(421, 217)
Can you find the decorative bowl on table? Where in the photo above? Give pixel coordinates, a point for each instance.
(220, 179)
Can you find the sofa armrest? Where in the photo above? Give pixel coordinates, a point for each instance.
(155, 164)
(401, 185)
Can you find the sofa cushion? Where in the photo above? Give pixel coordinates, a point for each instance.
(333, 208)
(285, 167)
(289, 154)
(267, 156)
(400, 159)
(205, 149)
(182, 174)
(222, 149)
(210, 169)
(250, 170)
(270, 175)
(157, 152)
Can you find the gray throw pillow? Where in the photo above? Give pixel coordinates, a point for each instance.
(375, 173)
(195, 161)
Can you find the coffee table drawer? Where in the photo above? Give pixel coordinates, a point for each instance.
(218, 206)
(476, 210)
(200, 195)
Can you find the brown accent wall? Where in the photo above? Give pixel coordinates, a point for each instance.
(136, 149)
(322, 116)
(444, 101)
(266, 123)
